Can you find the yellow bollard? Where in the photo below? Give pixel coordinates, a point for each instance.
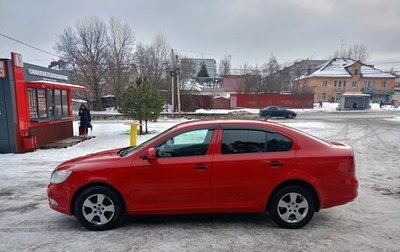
(133, 141)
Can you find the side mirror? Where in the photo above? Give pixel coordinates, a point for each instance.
(151, 154)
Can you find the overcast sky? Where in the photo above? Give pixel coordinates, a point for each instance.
(249, 30)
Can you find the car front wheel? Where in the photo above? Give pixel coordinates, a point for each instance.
(99, 208)
(292, 207)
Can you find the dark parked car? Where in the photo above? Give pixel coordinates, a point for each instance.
(275, 111)
(209, 167)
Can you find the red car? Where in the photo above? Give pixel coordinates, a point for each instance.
(208, 167)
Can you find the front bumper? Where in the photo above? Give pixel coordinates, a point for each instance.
(59, 198)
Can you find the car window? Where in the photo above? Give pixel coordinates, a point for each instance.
(277, 142)
(190, 143)
(252, 141)
(242, 141)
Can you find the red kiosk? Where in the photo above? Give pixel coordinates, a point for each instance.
(35, 105)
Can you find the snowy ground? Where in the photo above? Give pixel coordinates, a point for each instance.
(327, 107)
(370, 223)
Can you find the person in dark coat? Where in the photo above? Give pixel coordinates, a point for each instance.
(85, 120)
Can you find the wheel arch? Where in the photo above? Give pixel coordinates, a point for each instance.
(296, 182)
(81, 189)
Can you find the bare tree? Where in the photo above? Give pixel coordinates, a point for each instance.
(251, 78)
(357, 52)
(153, 61)
(188, 83)
(271, 70)
(85, 49)
(120, 40)
(224, 66)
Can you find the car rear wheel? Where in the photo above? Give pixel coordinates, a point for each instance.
(99, 208)
(290, 116)
(292, 207)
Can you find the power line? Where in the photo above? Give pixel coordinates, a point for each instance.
(28, 45)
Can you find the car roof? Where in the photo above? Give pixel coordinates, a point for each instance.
(230, 122)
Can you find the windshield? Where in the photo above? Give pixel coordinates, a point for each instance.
(125, 151)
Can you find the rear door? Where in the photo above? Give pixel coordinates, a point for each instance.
(248, 162)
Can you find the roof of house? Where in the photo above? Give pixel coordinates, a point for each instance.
(337, 67)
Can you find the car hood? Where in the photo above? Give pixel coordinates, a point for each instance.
(102, 156)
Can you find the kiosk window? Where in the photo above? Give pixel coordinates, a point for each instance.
(42, 105)
(57, 103)
(33, 112)
(47, 103)
(50, 102)
(64, 101)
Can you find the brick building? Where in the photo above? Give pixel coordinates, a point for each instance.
(341, 75)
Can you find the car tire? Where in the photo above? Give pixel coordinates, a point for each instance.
(268, 116)
(292, 207)
(290, 116)
(99, 208)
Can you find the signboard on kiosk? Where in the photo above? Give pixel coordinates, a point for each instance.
(18, 61)
(37, 73)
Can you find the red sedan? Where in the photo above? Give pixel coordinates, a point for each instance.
(208, 167)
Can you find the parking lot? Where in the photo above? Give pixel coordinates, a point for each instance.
(370, 223)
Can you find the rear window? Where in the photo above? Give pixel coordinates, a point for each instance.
(235, 141)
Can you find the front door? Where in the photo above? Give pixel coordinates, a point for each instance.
(178, 178)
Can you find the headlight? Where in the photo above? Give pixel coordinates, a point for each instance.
(59, 176)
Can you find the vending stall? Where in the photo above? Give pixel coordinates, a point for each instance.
(35, 105)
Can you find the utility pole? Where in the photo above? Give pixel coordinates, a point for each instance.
(178, 94)
(172, 84)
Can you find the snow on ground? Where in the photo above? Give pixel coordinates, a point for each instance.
(370, 223)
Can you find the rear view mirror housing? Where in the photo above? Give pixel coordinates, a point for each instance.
(151, 153)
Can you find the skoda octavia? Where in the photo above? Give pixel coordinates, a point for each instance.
(208, 167)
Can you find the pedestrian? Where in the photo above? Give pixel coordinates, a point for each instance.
(85, 120)
(320, 103)
(381, 104)
(392, 103)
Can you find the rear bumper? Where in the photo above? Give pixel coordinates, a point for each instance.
(341, 194)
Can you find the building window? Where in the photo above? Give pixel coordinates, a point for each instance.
(384, 84)
(338, 95)
(50, 102)
(323, 96)
(33, 112)
(340, 84)
(57, 103)
(42, 103)
(354, 84)
(344, 84)
(324, 83)
(335, 84)
(47, 103)
(64, 102)
(356, 71)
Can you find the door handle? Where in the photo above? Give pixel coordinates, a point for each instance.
(201, 167)
(275, 164)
